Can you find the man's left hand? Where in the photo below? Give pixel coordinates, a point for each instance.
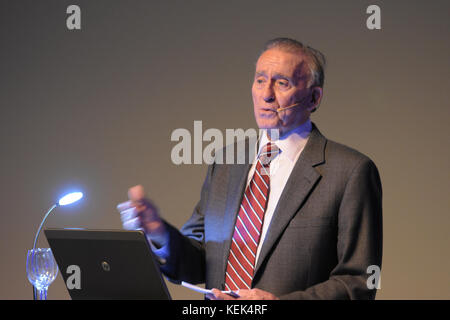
(244, 294)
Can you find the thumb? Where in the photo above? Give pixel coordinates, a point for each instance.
(136, 193)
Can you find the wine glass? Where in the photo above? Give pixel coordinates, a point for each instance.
(41, 270)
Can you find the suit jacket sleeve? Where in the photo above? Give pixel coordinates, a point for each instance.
(185, 251)
(359, 240)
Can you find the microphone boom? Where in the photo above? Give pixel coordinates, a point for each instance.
(288, 107)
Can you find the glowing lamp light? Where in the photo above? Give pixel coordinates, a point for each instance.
(67, 199)
(70, 198)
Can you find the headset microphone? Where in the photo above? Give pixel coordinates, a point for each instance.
(288, 107)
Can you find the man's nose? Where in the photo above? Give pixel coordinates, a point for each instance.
(268, 94)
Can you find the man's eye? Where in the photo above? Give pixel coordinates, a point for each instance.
(283, 83)
(259, 81)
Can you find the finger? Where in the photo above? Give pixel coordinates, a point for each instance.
(216, 294)
(147, 204)
(132, 224)
(148, 216)
(125, 205)
(210, 296)
(141, 208)
(220, 295)
(244, 294)
(136, 193)
(234, 294)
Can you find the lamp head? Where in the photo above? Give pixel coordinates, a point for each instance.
(70, 198)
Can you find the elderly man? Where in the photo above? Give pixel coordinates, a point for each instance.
(304, 223)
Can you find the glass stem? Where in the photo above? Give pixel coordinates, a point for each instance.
(42, 294)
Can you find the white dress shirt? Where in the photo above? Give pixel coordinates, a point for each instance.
(291, 146)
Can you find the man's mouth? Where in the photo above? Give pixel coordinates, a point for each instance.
(274, 109)
(268, 112)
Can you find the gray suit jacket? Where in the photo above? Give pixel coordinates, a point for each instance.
(326, 229)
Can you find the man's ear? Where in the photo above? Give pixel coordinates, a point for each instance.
(315, 98)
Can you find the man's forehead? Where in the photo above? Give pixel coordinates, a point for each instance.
(279, 61)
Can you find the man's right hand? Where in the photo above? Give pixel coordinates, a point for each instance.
(140, 214)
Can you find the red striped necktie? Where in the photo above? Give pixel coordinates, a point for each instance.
(249, 221)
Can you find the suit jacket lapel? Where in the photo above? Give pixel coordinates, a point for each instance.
(300, 183)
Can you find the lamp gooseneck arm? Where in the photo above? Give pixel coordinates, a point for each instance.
(37, 235)
(42, 223)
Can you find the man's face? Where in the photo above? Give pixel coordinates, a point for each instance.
(280, 81)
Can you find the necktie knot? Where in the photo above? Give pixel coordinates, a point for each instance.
(268, 153)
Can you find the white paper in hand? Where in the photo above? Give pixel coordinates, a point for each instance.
(206, 291)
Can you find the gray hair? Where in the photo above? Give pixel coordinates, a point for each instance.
(314, 58)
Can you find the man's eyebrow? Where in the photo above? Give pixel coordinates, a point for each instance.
(275, 76)
(282, 76)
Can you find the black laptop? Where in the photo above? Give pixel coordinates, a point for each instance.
(107, 264)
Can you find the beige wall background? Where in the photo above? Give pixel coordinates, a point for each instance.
(95, 109)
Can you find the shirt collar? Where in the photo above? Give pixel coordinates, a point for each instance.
(292, 142)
